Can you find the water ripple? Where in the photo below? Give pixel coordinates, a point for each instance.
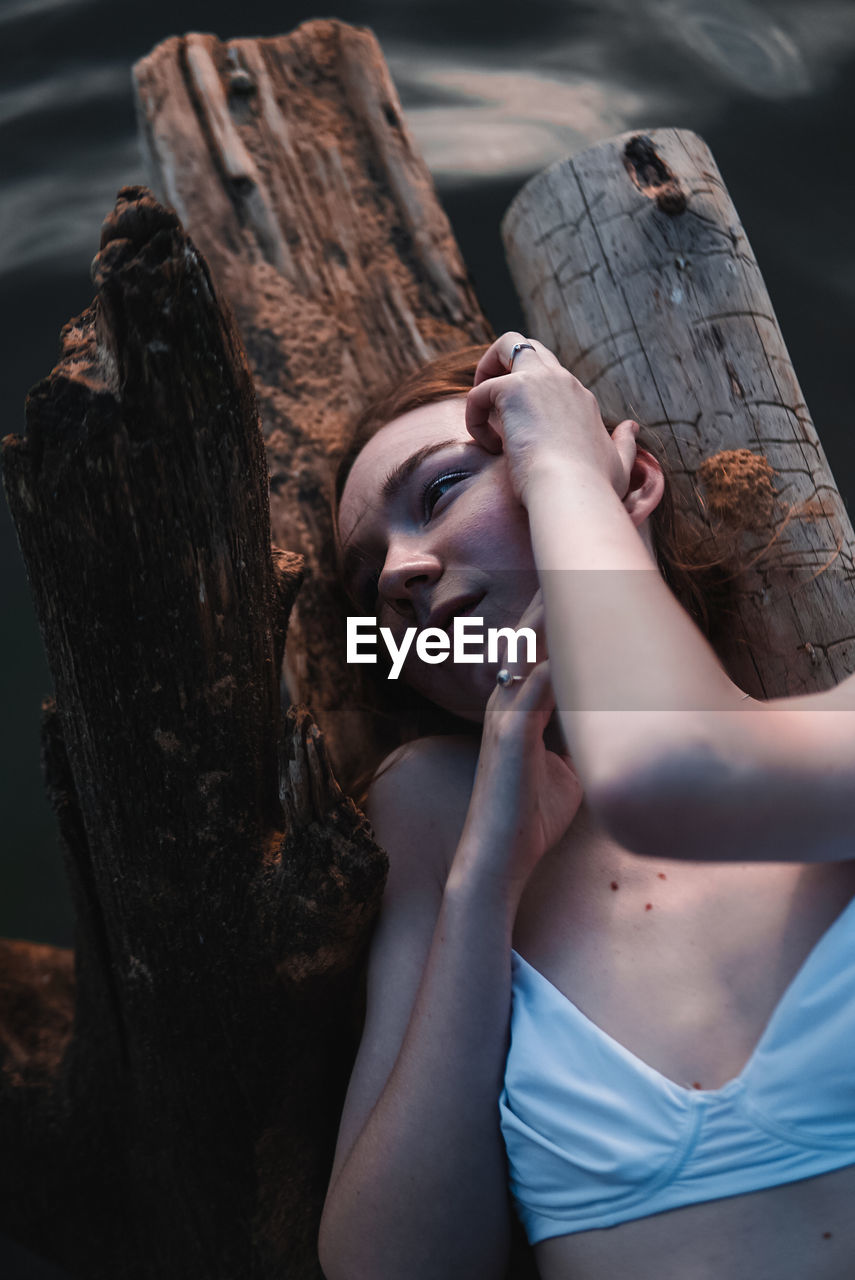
(21, 10)
(502, 122)
(54, 219)
(739, 42)
(65, 91)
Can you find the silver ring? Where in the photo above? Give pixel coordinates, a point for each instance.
(504, 678)
(516, 349)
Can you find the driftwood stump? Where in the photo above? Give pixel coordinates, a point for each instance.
(630, 260)
(291, 165)
(223, 885)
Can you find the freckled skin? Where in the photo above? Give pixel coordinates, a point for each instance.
(475, 540)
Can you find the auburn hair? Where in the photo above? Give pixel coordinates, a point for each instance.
(683, 541)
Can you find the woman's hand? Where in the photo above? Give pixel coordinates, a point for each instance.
(538, 413)
(524, 796)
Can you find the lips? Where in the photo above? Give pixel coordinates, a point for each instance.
(444, 614)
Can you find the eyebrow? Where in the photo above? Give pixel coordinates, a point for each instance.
(398, 476)
(394, 482)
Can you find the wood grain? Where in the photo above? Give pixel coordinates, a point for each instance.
(631, 262)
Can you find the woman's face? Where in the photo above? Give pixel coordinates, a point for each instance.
(430, 528)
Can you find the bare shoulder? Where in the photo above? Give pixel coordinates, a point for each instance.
(419, 797)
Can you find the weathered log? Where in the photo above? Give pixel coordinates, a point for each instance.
(291, 165)
(630, 260)
(189, 1119)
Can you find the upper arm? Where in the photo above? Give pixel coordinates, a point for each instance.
(417, 806)
(769, 781)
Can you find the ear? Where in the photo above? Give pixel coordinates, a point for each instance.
(646, 487)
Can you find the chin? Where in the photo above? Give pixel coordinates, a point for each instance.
(469, 703)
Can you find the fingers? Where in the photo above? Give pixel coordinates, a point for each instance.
(533, 617)
(491, 379)
(479, 405)
(496, 359)
(535, 692)
(538, 411)
(527, 704)
(526, 708)
(533, 613)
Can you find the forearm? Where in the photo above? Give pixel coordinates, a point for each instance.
(674, 761)
(417, 1194)
(634, 679)
(671, 754)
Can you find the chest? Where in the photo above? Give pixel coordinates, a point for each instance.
(681, 963)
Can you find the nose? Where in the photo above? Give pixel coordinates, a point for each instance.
(407, 575)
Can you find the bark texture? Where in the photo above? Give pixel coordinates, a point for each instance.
(630, 260)
(290, 163)
(222, 883)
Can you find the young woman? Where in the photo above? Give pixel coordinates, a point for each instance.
(615, 965)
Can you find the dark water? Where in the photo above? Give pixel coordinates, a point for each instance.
(493, 92)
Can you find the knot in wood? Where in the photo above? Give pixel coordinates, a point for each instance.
(241, 82)
(652, 176)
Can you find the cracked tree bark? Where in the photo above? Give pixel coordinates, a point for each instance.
(223, 885)
(630, 260)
